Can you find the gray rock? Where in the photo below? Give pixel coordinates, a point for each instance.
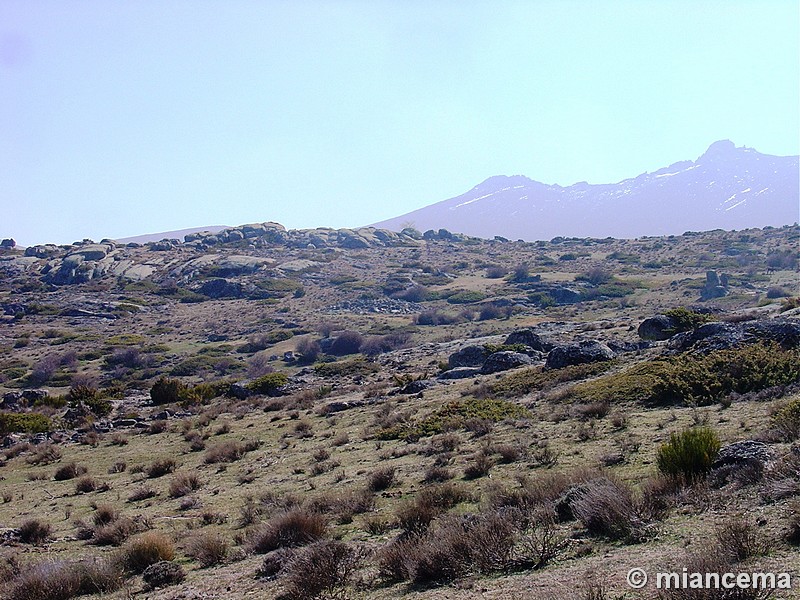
(11, 400)
(502, 361)
(460, 373)
(163, 573)
(660, 327)
(240, 391)
(528, 338)
(576, 354)
(34, 395)
(470, 356)
(415, 387)
(334, 407)
(743, 453)
(221, 288)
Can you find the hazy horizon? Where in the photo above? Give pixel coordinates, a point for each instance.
(126, 119)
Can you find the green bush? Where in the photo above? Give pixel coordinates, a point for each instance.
(786, 421)
(167, 391)
(466, 297)
(686, 319)
(689, 453)
(23, 423)
(696, 380)
(268, 384)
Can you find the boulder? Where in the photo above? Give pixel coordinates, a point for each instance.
(33, 395)
(505, 360)
(660, 327)
(470, 356)
(163, 573)
(415, 387)
(11, 400)
(528, 338)
(221, 288)
(715, 287)
(576, 354)
(460, 373)
(743, 453)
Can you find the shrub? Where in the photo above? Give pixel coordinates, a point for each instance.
(322, 570)
(162, 574)
(685, 319)
(381, 479)
(145, 550)
(142, 493)
(115, 532)
(296, 527)
(347, 342)
(607, 507)
(478, 467)
(739, 538)
(228, 451)
(161, 467)
(34, 531)
(23, 423)
(209, 549)
(167, 391)
(466, 297)
(793, 518)
(61, 580)
(86, 484)
(309, 349)
(183, 484)
(69, 471)
(689, 453)
(786, 421)
(414, 516)
(268, 384)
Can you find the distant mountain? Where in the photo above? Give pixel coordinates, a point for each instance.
(169, 235)
(726, 188)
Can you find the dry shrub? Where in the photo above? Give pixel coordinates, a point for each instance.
(44, 454)
(738, 537)
(322, 570)
(415, 515)
(115, 532)
(105, 514)
(478, 467)
(437, 474)
(161, 467)
(793, 521)
(183, 484)
(229, 451)
(296, 527)
(381, 479)
(34, 531)
(607, 507)
(209, 549)
(62, 580)
(145, 550)
(69, 471)
(142, 493)
(86, 484)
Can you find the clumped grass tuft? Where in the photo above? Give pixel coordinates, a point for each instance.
(381, 479)
(208, 549)
(183, 484)
(144, 550)
(161, 467)
(296, 527)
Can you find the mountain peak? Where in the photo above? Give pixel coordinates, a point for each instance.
(719, 149)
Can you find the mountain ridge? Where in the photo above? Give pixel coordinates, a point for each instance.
(727, 187)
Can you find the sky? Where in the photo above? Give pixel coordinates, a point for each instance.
(125, 118)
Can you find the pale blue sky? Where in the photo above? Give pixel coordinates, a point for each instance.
(123, 118)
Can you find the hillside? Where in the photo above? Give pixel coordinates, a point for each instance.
(725, 188)
(272, 413)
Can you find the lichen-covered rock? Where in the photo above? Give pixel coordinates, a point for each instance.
(505, 360)
(742, 453)
(576, 354)
(658, 328)
(470, 356)
(163, 573)
(460, 373)
(527, 337)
